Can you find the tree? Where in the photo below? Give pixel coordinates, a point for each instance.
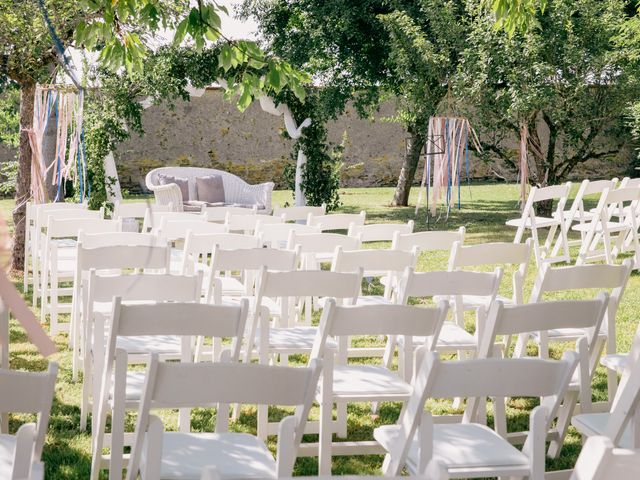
(366, 51)
(27, 57)
(566, 81)
(35, 32)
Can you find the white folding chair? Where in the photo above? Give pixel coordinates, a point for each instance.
(390, 264)
(98, 294)
(133, 330)
(380, 232)
(276, 235)
(336, 221)
(248, 262)
(578, 213)
(611, 234)
(452, 285)
(556, 223)
(611, 278)
(299, 214)
(586, 315)
(600, 460)
(316, 248)
(32, 210)
(471, 449)
(108, 258)
(622, 423)
(491, 254)
(163, 455)
(343, 382)
(247, 223)
(38, 238)
(25, 392)
(219, 214)
(278, 294)
(59, 262)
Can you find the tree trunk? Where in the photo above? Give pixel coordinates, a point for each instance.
(408, 172)
(23, 181)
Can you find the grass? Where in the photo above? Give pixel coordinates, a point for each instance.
(484, 211)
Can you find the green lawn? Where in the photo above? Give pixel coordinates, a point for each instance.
(484, 210)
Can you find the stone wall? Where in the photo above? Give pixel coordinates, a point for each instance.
(209, 131)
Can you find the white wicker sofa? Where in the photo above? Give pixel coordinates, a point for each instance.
(237, 192)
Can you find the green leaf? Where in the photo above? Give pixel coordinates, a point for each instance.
(181, 32)
(245, 99)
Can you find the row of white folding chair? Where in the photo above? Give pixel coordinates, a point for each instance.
(109, 252)
(546, 252)
(30, 219)
(58, 264)
(39, 239)
(134, 328)
(612, 235)
(25, 392)
(97, 295)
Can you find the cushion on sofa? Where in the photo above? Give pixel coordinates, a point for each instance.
(182, 182)
(210, 189)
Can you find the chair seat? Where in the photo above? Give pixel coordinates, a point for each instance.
(460, 446)
(590, 424)
(366, 381)
(453, 337)
(615, 361)
(541, 222)
(235, 456)
(296, 339)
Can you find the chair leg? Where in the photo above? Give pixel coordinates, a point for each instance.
(326, 420)
(341, 408)
(564, 419)
(117, 423)
(87, 386)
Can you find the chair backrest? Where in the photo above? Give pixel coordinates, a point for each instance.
(628, 182)
(137, 209)
(170, 385)
(600, 460)
(169, 194)
(248, 223)
(402, 320)
(322, 242)
(336, 221)
(198, 247)
(519, 319)
(71, 227)
(428, 241)
(30, 392)
(172, 230)
(294, 214)
(153, 219)
(122, 257)
(219, 214)
(553, 192)
(110, 239)
(43, 215)
(429, 284)
(380, 232)
(303, 283)
(497, 253)
(372, 262)
(277, 235)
